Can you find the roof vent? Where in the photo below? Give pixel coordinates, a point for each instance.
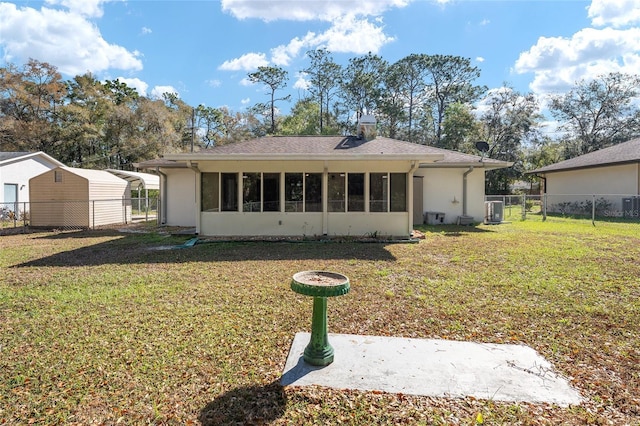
(367, 127)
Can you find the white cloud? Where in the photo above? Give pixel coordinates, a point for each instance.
(246, 62)
(301, 82)
(282, 54)
(246, 82)
(351, 35)
(158, 91)
(88, 8)
(355, 26)
(140, 86)
(214, 83)
(479, 59)
(558, 62)
(245, 101)
(326, 10)
(64, 39)
(618, 13)
(146, 30)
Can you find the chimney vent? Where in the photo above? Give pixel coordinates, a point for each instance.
(367, 127)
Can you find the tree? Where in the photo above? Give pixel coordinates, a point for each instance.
(303, 119)
(274, 78)
(325, 77)
(460, 128)
(599, 113)
(362, 83)
(509, 120)
(410, 76)
(450, 80)
(209, 124)
(29, 102)
(391, 112)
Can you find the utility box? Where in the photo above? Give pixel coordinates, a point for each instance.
(434, 218)
(493, 212)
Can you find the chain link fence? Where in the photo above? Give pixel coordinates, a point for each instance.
(584, 206)
(72, 215)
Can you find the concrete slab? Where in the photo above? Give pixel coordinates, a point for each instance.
(429, 367)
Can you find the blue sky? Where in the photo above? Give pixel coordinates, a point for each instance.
(203, 50)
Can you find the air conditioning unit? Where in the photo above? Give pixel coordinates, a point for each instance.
(631, 207)
(493, 212)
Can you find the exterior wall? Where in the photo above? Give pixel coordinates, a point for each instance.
(568, 191)
(20, 172)
(621, 179)
(443, 192)
(181, 207)
(59, 204)
(110, 203)
(297, 224)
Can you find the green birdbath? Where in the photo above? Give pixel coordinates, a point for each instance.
(320, 285)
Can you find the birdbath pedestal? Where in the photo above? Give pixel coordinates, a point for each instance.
(320, 285)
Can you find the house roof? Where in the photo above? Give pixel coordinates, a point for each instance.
(330, 148)
(146, 180)
(626, 152)
(11, 157)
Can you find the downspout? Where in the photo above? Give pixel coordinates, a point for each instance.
(412, 170)
(325, 199)
(464, 190)
(162, 219)
(196, 195)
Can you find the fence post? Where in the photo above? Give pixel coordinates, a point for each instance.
(524, 206)
(93, 215)
(544, 207)
(593, 209)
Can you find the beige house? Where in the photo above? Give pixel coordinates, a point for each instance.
(319, 185)
(68, 197)
(610, 177)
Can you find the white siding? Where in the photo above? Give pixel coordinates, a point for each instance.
(20, 172)
(622, 179)
(443, 192)
(181, 197)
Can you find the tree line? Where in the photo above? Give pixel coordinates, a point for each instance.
(426, 99)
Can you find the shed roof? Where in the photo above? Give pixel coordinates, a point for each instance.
(96, 176)
(330, 148)
(146, 180)
(622, 153)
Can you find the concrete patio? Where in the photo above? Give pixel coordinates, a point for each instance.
(429, 367)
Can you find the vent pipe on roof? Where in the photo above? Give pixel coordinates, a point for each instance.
(367, 127)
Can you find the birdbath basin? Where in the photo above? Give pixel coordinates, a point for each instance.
(320, 285)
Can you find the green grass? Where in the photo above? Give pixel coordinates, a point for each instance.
(99, 327)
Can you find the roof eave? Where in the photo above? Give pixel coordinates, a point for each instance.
(304, 157)
(480, 164)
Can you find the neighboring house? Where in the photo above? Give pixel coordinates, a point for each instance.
(320, 185)
(611, 176)
(67, 197)
(16, 168)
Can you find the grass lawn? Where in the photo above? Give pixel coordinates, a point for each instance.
(103, 327)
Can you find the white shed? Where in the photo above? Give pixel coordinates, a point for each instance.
(78, 198)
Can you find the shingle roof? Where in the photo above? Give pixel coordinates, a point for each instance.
(343, 147)
(626, 152)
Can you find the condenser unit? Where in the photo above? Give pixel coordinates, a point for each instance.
(493, 211)
(631, 207)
